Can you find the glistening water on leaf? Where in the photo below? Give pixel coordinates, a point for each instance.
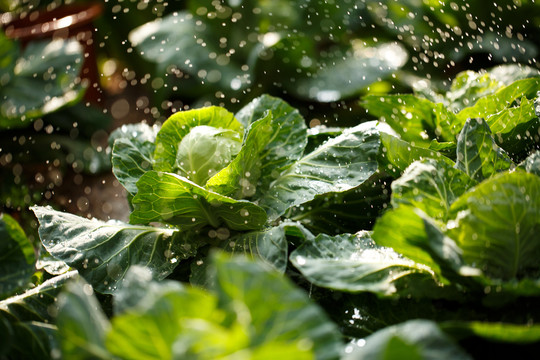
(102, 252)
(354, 263)
(477, 153)
(172, 199)
(497, 225)
(339, 164)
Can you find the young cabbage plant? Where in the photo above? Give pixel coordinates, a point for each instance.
(208, 177)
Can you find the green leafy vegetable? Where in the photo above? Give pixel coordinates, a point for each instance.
(170, 198)
(338, 165)
(273, 142)
(432, 186)
(204, 151)
(354, 263)
(103, 251)
(496, 225)
(453, 237)
(477, 153)
(81, 322)
(175, 154)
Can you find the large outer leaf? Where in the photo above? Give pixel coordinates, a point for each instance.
(82, 325)
(344, 212)
(353, 263)
(497, 225)
(317, 135)
(173, 322)
(102, 252)
(403, 229)
(132, 152)
(477, 153)
(469, 86)
(415, 119)
(33, 305)
(180, 124)
(286, 315)
(432, 186)
(269, 245)
(17, 257)
(501, 100)
(172, 199)
(138, 133)
(517, 128)
(274, 141)
(414, 339)
(511, 114)
(507, 119)
(413, 234)
(340, 164)
(287, 116)
(27, 319)
(59, 88)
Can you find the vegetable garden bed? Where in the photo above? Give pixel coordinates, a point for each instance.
(417, 234)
